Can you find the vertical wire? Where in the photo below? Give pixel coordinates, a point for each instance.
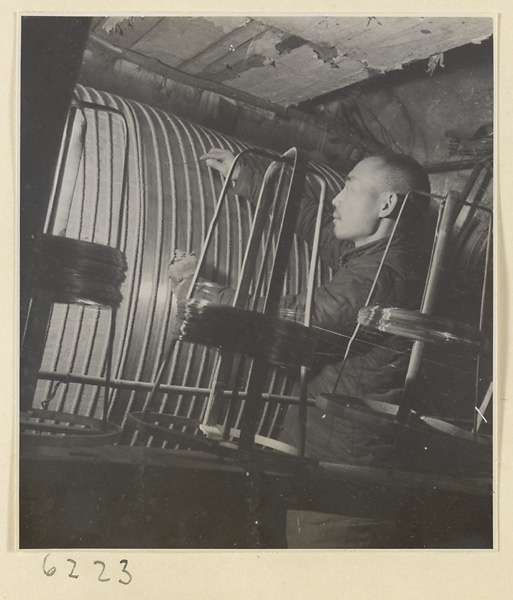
(476, 420)
(176, 125)
(131, 240)
(371, 291)
(204, 353)
(79, 341)
(108, 348)
(126, 358)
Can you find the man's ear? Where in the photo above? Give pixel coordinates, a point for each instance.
(389, 204)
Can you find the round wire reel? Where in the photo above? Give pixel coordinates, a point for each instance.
(423, 328)
(279, 341)
(374, 413)
(158, 426)
(40, 427)
(430, 442)
(78, 271)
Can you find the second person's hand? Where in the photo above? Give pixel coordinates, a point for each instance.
(221, 160)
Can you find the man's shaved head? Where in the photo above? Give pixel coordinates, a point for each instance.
(373, 194)
(400, 173)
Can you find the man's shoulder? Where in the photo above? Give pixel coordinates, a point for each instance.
(399, 258)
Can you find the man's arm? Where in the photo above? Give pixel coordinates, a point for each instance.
(330, 248)
(247, 184)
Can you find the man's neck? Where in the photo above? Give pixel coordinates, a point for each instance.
(384, 229)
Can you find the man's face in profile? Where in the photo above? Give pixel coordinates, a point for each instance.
(357, 208)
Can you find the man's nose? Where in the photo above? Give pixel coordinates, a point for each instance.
(336, 200)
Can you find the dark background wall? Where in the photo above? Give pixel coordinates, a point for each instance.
(412, 109)
(418, 107)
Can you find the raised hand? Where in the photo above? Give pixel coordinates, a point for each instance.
(221, 160)
(181, 267)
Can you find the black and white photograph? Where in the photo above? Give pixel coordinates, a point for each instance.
(256, 282)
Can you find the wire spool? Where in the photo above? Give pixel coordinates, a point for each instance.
(168, 428)
(423, 328)
(77, 271)
(454, 430)
(374, 413)
(158, 425)
(427, 443)
(52, 428)
(281, 342)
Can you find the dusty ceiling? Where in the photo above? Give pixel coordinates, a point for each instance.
(287, 60)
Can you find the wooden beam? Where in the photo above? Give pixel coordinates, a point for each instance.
(156, 66)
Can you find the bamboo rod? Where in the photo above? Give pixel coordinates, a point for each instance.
(123, 384)
(303, 388)
(430, 294)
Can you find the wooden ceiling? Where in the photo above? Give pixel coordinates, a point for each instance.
(287, 60)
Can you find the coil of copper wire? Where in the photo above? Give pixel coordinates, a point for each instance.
(78, 271)
(424, 328)
(281, 342)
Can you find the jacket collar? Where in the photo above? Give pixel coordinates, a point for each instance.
(370, 248)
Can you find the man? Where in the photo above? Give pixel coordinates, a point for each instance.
(353, 243)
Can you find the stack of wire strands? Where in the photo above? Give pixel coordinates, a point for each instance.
(423, 328)
(80, 272)
(279, 341)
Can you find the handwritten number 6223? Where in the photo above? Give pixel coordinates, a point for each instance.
(125, 580)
